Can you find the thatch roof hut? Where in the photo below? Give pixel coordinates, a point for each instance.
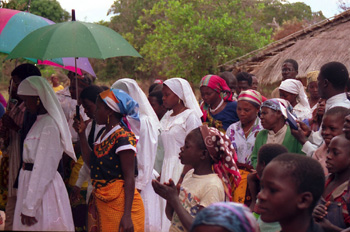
(311, 47)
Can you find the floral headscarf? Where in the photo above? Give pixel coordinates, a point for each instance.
(234, 217)
(224, 156)
(122, 103)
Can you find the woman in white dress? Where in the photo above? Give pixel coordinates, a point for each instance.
(293, 91)
(146, 152)
(42, 200)
(183, 116)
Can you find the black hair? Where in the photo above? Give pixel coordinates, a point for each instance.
(158, 95)
(293, 62)
(340, 111)
(25, 70)
(336, 73)
(91, 92)
(199, 138)
(268, 152)
(307, 173)
(104, 87)
(227, 76)
(244, 76)
(155, 87)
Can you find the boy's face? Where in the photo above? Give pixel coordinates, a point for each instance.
(346, 128)
(332, 125)
(338, 158)
(278, 195)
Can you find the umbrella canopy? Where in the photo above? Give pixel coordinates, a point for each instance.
(73, 39)
(15, 25)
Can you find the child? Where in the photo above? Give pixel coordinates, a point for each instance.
(332, 125)
(291, 185)
(225, 216)
(332, 212)
(266, 153)
(273, 118)
(201, 187)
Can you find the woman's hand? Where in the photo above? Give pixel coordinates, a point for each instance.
(75, 195)
(168, 191)
(79, 125)
(126, 224)
(29, 221)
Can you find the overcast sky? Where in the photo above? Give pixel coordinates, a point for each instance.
(94, 11)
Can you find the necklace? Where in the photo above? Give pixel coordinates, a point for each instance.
(220, 104)
(246, 133)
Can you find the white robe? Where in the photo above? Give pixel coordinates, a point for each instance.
(173, 132)
(41, 192)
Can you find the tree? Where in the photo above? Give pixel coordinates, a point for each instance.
(50, 9)
(190, 38)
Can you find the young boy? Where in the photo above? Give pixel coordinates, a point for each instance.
(332, 125)
(291, 185)
(332, 212)
(266, 153)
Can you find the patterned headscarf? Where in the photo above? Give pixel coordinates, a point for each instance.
(312, 76)
(234, 217)
(251, 96)
(222, 152)
(217, 84)
(122, 103)
(278, 104)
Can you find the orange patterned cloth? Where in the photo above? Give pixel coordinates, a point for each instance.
(106, 208)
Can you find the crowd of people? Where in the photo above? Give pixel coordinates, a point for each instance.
(98, 158)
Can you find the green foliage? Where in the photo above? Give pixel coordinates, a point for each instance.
(190, 39)
(50, 9)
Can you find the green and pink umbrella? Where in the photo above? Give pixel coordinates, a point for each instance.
(15, 25)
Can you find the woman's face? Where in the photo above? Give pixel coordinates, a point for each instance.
(246, 112)
(209, 96)
(321, 106)
(312, 88)
(101, 113)
(170, 99)
(292, 98)
(269, 117)
(31, 103)
(89, 107)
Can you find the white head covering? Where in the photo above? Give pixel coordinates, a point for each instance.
(296, 87)
(38, 86)
(131, 87)
(183, 90)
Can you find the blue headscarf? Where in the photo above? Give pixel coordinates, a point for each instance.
(122, 103)
(232, 216)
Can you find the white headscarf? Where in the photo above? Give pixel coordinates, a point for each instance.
(296, 87)
(131, 87)
(38, 86)
(183, 90)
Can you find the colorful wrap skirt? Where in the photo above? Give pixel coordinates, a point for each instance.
(106, 208)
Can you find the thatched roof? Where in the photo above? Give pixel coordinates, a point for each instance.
(311, 47)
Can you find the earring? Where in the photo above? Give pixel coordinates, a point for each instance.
(179, 102)
(107, 119)
(38, 102)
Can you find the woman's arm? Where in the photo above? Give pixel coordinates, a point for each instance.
(80, 126)
(127, 160)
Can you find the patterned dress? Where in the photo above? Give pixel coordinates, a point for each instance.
(106, 206)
